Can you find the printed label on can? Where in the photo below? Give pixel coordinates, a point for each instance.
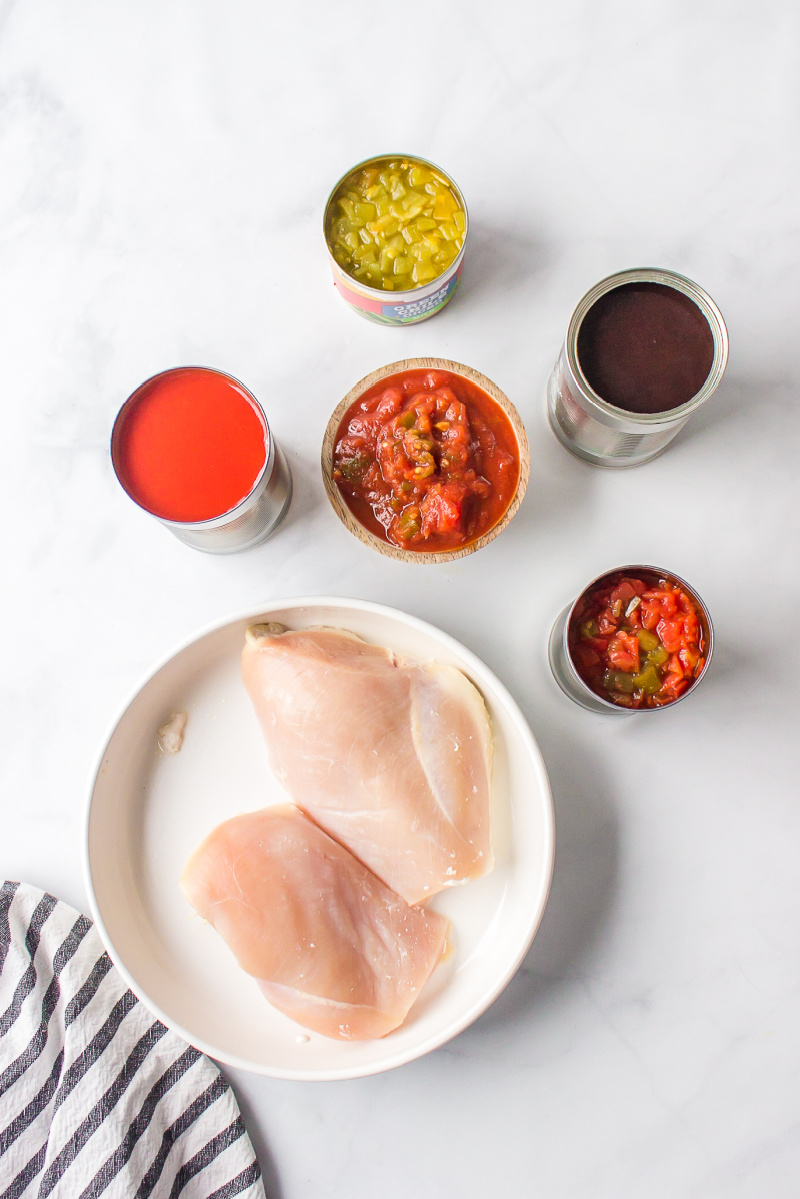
(397, 311)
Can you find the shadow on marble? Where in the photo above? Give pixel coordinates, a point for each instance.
(583, 888)
(269, 1174)
(753, 407)
(733, 673)
(561, 488)
(306, 486)
(306, 498)
(498, 260)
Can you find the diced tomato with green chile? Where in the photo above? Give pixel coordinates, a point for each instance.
(637, 642)
(623, 652)
(427, 460)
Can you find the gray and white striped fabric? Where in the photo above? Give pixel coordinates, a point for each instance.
(97, 1097)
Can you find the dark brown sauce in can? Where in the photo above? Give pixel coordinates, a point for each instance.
(645, 347)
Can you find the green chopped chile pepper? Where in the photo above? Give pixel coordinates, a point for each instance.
(647, 640)
(353, 468)
(648, 680)
(618, 680)
(658, 656)
(409, 523)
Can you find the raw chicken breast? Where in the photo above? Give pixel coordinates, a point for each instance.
(330, 945)
(392, 758)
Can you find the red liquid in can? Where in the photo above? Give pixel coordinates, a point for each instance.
(189, 445)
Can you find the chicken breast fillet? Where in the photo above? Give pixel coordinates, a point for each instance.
(392, 758)
(331, 946)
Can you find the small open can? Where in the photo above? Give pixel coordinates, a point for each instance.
(565, 671)
(251, 519)
(597, 431)
(400, 307)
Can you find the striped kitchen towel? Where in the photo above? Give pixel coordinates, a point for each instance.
(97, 1097)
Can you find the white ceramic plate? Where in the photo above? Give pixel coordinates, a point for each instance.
(148, 811)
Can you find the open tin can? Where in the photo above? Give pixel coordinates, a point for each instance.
(151, 458)
(607, 435)
(562, 660)
(396, 307)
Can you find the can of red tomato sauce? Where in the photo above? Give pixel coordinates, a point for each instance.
(671, 640)
(192, 447)
(396, 209)
(644, 349)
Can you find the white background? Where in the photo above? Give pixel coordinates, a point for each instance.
(163, 170)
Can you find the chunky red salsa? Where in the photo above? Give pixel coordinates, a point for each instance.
(638, 642)
(426, 460)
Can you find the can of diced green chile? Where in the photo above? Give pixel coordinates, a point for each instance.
(397, 307)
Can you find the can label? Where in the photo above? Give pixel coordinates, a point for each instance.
(395, 311)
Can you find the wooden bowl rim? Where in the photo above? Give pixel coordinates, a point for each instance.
(346, 516)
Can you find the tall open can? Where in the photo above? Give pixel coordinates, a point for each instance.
(605, 433)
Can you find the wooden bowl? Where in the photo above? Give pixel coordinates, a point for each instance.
(346, 516)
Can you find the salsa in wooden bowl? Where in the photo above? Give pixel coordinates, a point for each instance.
(425, 460)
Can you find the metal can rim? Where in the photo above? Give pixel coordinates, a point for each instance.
(688, 288)
(607, 704)
(213, 522)
(375, 293)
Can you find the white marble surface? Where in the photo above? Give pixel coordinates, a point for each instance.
(163, 168)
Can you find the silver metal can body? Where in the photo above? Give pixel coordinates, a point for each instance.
(595, 430)
(256, 517)
(399, 307)
(565, 672)
(251, 522)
